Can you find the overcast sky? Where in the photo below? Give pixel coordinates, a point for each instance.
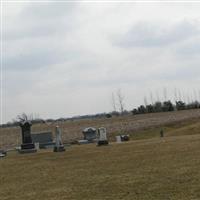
(66, 59)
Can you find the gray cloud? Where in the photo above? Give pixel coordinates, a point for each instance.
(145, 34)
(183, 72)
(41, 20)
(190, 48)
(48, 10)
(41, 58)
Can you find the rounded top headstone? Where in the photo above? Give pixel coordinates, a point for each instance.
(25, 123)
(89, 129)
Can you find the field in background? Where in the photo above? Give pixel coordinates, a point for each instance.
(138, 126)
(148, 169)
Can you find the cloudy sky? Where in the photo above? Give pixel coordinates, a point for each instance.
(62, 59)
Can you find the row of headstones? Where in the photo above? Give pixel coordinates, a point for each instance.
(28, 146)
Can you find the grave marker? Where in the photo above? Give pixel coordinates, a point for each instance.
(90, 134)
(59, 147)
(27, 145)
(102, 137)
(45, 139)
(161, 133)
(118, 139)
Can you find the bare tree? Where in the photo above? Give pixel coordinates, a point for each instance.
(175, 94)
(113, 102)
(157, 96)
(195, 95)
(24, 117)
(184, 96)
(199, 95)
(165, 93)
(188, 99)
(151, 97)
(180, 95)
(120, 97)
(145, 101)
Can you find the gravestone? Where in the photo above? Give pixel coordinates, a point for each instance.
(37, 145)
(27, 145)
(118, 139)
(45, 139)
(161, 133)
(90, 134)
(102, 137)
(59, 147)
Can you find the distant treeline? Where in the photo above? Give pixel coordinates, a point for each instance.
(158, 106)
(165, 106)
(15, 123)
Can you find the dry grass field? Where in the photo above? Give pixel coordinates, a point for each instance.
(158, 168)
(136, 126)
(147, 167)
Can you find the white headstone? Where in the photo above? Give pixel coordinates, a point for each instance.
(102, 134)
(59, 145)
(118, 139)
(102, 137)
(58, 137)
(37, 145)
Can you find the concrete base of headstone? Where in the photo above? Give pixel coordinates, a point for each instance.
(59, 149)
(83, 142)
(28, 148)
(102, 142)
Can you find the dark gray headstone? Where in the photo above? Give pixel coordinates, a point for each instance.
(90, 134)
(161, 133)
(45, 139)
(27, 145)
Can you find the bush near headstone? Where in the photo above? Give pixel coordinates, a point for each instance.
(3, 153)
(125, 138)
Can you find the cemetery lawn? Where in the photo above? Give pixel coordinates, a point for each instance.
(158, 168)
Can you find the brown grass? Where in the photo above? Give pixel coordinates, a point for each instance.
(164, 169)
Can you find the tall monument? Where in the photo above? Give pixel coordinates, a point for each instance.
(59, 147)
(27, 145)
